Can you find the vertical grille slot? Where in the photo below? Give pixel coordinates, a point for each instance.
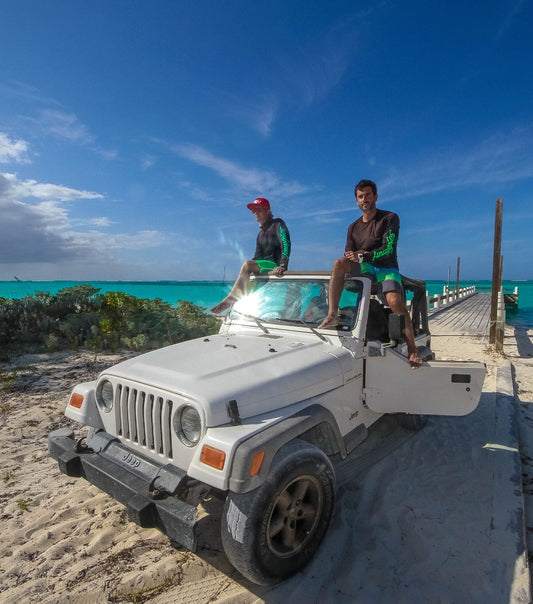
(131, 414)
(139, 418)
(156, 419)
(124, 419)
(166, 428)
(148, 423)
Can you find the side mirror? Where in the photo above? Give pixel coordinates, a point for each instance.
(396, 327)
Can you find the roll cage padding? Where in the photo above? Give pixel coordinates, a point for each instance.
(419, 309)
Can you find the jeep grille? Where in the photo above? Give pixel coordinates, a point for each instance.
(145, 419)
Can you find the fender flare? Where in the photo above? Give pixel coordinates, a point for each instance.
(274, 437)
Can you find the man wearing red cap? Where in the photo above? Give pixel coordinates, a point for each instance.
(271, 252)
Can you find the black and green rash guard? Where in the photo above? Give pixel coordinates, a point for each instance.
(274, 243)
(379, 237)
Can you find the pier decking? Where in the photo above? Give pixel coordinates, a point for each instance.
(470, 316)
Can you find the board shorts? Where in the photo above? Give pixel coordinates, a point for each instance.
(266, 265)
(389, 279)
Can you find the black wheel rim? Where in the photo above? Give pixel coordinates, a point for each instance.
(294, 516)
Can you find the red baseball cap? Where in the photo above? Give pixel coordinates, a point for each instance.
(259, 204)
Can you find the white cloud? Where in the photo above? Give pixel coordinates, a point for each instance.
(64, 125)
(13, 150)
(25, 93)
(251, 180)
(36, 228)
(67, 127)
(510, 17)
(147, 162)
(45, 191)
(32, 232)
(140, 240)
(102, 222)
(106, 153)
(304, 77)
(260, 113)
(501, 158)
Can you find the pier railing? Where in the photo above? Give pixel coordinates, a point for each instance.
(448, 296)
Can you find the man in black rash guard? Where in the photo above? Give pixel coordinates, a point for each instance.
(371, 249)
(271, 252)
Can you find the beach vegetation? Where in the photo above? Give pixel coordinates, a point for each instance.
(81, 316)
(22, 504)
(9, 473)
(7, 379)
(143, 595)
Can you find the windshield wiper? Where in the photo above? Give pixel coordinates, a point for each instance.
(306, 324)
(258, 321)
(309, 326)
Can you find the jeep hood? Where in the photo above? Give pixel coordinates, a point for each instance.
(261, 373)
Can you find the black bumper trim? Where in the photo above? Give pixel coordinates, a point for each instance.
(172, 516)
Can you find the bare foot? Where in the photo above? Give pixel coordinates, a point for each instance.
(222, 306)
(331, 320)
(415, 360)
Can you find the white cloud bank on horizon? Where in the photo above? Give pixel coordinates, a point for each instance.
(37, 229)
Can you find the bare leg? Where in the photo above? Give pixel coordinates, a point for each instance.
(397, 305)
(250, 267)
(341, 267)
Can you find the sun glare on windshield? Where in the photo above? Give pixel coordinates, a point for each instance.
(295, 301)
(249, 305)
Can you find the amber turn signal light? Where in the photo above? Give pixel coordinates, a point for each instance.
(76, 400)
(213, 457)
(256, 463)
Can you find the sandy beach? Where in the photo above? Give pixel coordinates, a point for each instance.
(412, 521)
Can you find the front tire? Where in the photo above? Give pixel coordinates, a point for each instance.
(273, 531)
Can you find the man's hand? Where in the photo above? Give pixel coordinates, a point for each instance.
(278, 271)
(354, 256)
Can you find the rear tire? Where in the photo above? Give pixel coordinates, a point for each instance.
(273, 531)
(411, 421)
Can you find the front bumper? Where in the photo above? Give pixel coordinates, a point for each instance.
(146, 489)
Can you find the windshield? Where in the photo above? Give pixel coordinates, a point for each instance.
(295, 301)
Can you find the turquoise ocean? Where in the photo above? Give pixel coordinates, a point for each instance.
(207, 293)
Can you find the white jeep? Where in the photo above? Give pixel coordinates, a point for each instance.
(255, 413)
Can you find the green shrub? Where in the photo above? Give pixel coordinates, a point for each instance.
(80, 316)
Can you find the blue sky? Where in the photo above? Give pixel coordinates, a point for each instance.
(133, 134)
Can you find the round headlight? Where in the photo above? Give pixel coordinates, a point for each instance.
(188, 425)
(104, 395)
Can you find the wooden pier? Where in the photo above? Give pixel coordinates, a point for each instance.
(510, 297)
(469, 316)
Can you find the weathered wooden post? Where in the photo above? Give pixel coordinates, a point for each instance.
(496, 270)
(457, 283)
(500, 323)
